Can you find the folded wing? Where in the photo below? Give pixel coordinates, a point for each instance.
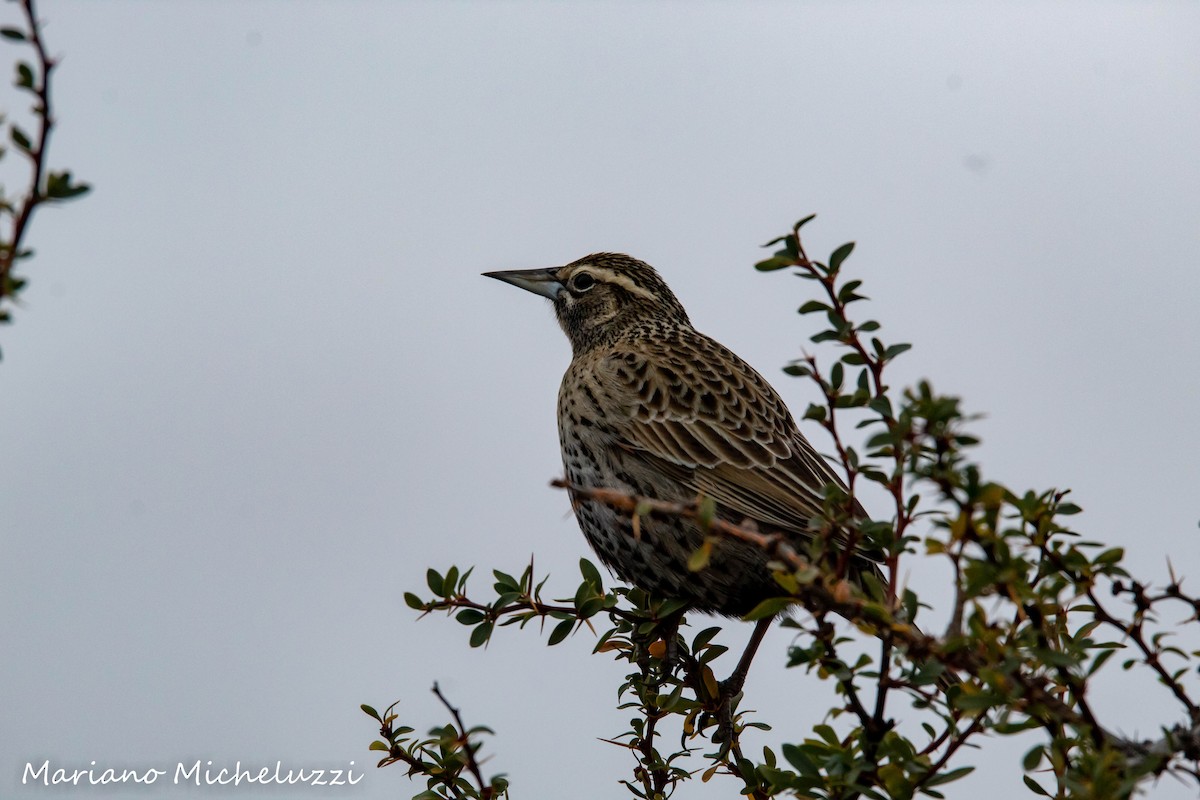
(700, 414)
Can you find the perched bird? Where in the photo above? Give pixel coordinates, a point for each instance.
(652, 407)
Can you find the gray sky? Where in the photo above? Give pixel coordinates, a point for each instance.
(258, 385)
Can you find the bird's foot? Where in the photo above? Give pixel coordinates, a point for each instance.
(725, 704)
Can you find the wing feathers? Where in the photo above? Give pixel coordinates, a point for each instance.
(700, 413)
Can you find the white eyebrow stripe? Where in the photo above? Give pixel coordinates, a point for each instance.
(617, 279)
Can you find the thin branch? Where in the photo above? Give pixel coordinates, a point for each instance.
(951, 749)
(1134, 631)
(856, 609)
(42, 109)
(485, 790)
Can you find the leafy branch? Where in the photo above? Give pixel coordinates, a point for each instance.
(44, 185)
(442, 758)
(1029, 628)
(671, 676)
(1002, 547)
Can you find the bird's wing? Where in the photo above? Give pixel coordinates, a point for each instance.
(697, 412)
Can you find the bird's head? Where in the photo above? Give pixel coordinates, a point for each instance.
(601, 297)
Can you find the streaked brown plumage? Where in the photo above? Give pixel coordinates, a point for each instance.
(652, 407)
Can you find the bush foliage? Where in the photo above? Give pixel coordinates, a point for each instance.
(44, 185)
(1038, 612)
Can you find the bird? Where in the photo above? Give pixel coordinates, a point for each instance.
(651, 407)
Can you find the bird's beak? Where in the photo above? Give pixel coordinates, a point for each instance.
(538, 281)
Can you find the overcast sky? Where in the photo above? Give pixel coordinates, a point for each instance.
(257, 385)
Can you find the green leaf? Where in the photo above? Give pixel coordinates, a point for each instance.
(827, 733)
(14, 34)
(59, 186)
(881, 406)
(840, 255)
(470, 616)
(414, 602)
(772, 264)
(977, 702)
(481, 634)
(371, 712)
(704, 637)
(812, 306)
(504, 598)
(804, 222)
(590, 573)
(505, 582)
(799, 759)
(20, 139)
(846, 293)
(435, 581)
(1098, 662)
(561, 631)
(893, 779)
(590, 607)
(1034, 787)
(700, 557)
(24, 76)
(583, 593)
(713, 652)
(769, 608)
(947, 777)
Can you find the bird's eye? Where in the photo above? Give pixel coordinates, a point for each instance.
(582, 282)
